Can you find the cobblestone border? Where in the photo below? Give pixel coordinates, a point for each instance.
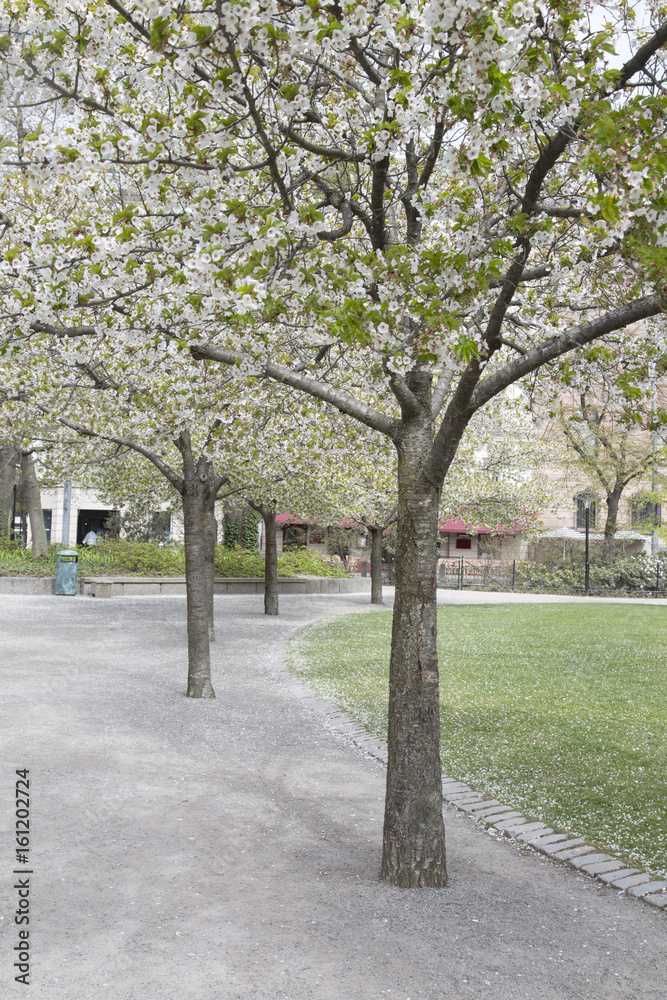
(498, 818)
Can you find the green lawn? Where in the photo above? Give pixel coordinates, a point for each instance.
(557, 710)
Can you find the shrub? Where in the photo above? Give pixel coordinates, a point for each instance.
(630, 573)
(120, 557)
(306, 562)
(239, 562)
(15, 561)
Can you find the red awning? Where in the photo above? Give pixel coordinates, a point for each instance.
(288, 519)
(447, 526)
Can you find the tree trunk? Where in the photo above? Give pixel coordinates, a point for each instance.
(35, 512)
(199, 654)
(270, 561)
(376, 533)
(8, 464)
(414, 832)
(613, 499)
(210, 539)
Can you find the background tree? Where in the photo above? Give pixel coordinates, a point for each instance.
(290, 455)
(156, 407)
(34, 502)
(20, 429)
(8, 467)
(608, 408)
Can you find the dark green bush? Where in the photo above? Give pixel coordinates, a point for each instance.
(637, 572)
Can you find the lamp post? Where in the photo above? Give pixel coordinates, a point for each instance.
(587, 581)
(654, 470)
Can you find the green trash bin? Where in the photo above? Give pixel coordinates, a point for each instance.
(66, 572)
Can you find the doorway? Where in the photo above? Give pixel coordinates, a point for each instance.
(92, 520)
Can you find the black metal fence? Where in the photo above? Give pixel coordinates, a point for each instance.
(518, 576)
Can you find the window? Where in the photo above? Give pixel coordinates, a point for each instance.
(47, 523)
(464, 542)
(580, 502)
(645, 514)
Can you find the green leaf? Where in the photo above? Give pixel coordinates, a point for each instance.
(202, 31)
(159, 33)
(480, 166)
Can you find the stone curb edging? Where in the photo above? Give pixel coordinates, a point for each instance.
(504, 820)
(137, 586)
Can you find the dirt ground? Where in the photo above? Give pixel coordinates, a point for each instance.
(230, 848)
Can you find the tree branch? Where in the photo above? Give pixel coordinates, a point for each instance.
(159, 463)
(345, 80)
(184, 444)
(432, 153)
(642, 56)
(348, 218)
(560, 213)
(378, 213)
(355, 208)
(64, 331)
(327, 152)
(408, 402)
(125, 14)
(579, 336)
(368, 69)
(340, 398)
(454, 423)
(515, 347)
(442, 387)
(63, 92)
(528, 274)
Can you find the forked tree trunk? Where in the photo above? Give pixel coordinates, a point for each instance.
(199, 654)
(414, 833)
(376, 533)
(35, 512)
(270, 561)
(210, 539)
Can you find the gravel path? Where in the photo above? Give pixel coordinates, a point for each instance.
(230, 848)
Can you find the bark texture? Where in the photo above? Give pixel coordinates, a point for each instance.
(270, 561)
(35, 512)
(613, 500)
(414, 833)
(376, 532)
(197, 483)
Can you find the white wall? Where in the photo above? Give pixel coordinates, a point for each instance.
(52, 499)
